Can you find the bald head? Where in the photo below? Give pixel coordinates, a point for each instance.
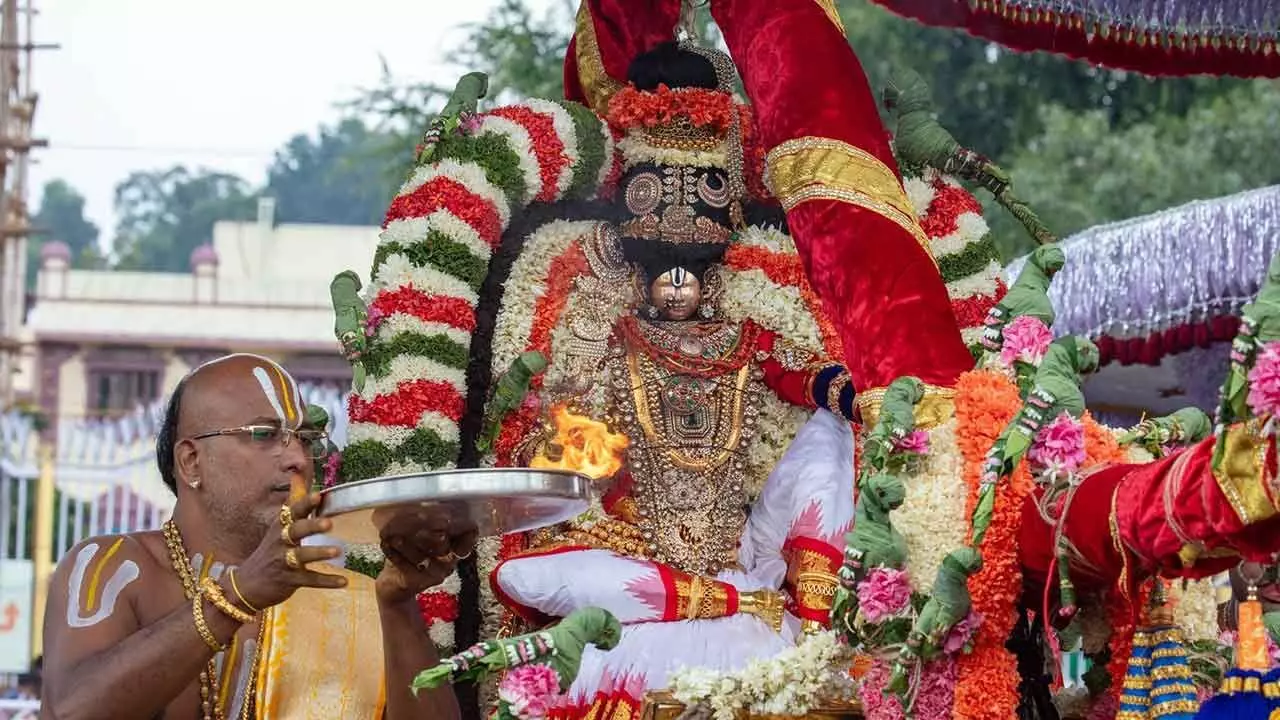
(229, 392)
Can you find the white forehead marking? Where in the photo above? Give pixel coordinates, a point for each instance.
(269, 389)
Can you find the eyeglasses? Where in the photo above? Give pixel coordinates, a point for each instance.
(316, 442)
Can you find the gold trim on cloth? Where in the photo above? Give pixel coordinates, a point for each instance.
(936, 407)
(322, 655)
(817, 168)
(596, 82)
(829, 7)
(1242, 473)
(662, 706)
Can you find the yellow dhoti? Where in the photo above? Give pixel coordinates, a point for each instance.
(322, 656)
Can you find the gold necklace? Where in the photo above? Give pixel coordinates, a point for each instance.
(182, 565)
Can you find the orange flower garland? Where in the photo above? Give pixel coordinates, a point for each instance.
(703, 108)
(785, 269)
(987, 686)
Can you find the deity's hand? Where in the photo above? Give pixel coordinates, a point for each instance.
(279, 566)
(423, 546)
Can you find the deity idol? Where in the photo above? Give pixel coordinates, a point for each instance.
(686, 386)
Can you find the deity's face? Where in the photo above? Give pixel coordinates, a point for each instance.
(676, 293)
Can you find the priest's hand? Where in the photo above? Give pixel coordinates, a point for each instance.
(423, 546)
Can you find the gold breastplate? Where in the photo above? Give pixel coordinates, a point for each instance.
(688, 433)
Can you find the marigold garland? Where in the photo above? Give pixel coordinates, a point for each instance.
(631, 108)
(987, 688)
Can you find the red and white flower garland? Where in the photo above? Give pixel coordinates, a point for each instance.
(439, 235)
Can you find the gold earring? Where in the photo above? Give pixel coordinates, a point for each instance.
(194, 484)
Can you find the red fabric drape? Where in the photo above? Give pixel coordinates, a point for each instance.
(1200, 510)
(623, 29)
(878, 284)
(1066, 36)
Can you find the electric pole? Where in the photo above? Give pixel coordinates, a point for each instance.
(17, 110)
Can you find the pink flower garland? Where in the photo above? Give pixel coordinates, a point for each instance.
(934, 695)
(1059, 445)
(1264, 381)
(884, 593)
(529, 691)
(1026, 339)
(917, 443)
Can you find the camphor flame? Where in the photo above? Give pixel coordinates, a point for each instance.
(585, 446)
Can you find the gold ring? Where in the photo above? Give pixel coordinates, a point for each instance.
(286, 516)
(291, 559)
(287, 536)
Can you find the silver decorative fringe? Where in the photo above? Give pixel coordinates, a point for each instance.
(1186, 264)
(1254, 19)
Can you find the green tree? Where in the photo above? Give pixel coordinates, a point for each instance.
(338, 177)
(165, 214)
(1081, 172)
(61, 217)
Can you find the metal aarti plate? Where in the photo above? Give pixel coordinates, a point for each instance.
(497, 501)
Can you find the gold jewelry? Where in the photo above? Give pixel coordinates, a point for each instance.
(202, 627)
(287, 537)
(291, 559)
(286, 516)
(181, 563)
(210, 589)
(231, 574)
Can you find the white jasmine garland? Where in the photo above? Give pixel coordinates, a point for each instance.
(400, 323)
(982, 282)
(793, 683)
(920, 194)
(407, 231)
(970, 228)
(405, 368)
(932, 519)
(562, 123)
(610, 155)
(768, 238)
(636, 151)
(1195, 609)
(772, 438)
(526, 282)
(751, 294)
(519, 141)
(393, 436)
(469, 175)
(398, 271)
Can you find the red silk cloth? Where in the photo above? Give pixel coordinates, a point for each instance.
(1063, 35)
(1200, 512)
(623, 29)
(876, 282)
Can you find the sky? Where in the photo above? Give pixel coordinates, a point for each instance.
(146, 84)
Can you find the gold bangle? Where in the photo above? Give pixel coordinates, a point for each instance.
(197, 614)
(210, 589)
(231, 573)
